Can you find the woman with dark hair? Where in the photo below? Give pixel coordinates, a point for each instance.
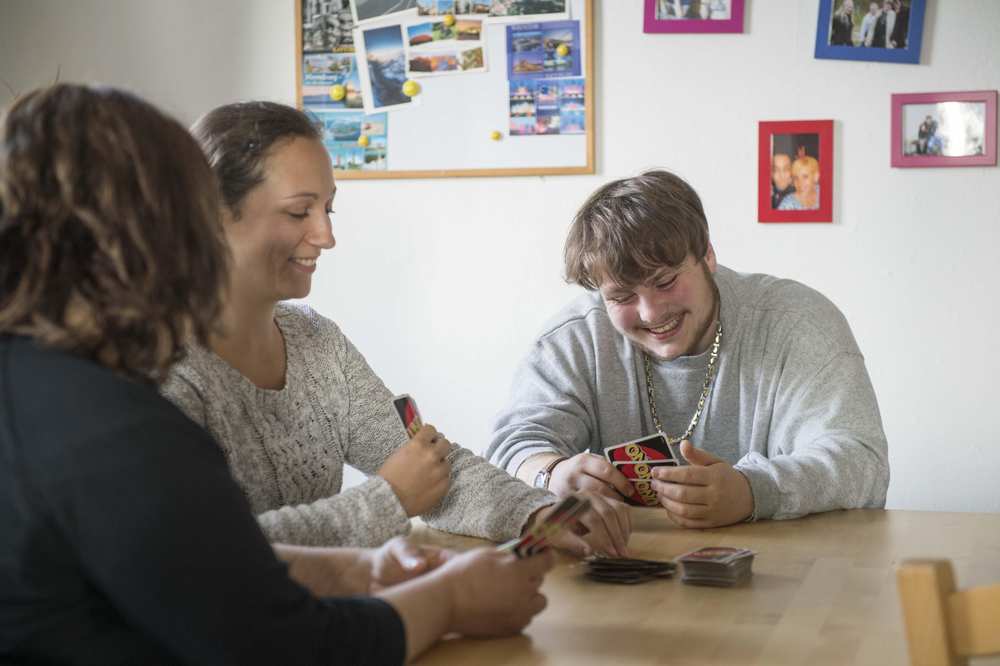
(123, 538)
(291, 400)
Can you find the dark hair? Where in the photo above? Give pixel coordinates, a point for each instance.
(111, 245)
(236, 139)
(631, 228)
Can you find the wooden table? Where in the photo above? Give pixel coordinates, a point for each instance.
(823, 592)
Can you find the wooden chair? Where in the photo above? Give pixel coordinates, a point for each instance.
(945, 626)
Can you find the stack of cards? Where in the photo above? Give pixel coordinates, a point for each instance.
(627, 571)
(718, 566)
(566, 515)
(637, 460)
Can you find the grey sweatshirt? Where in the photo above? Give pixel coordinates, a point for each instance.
(287, 448)
(792, 406)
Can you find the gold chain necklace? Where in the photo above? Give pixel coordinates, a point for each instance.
(705, 390)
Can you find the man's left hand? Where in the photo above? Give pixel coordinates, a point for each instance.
(707, 493)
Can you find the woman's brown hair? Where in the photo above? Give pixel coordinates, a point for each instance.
(111, 244)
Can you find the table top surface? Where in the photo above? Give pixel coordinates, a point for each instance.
(823, 592)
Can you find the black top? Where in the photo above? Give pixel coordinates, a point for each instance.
(124, 540)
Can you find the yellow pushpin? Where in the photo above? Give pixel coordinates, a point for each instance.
(562, 50)
(496, 135)
(411, 88)
(448, 20)
(338, 92)
(363, 140)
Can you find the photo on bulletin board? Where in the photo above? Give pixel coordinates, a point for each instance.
(944, 129)
(449, 88)
(693, 16)
(795, 171)
(880, 31)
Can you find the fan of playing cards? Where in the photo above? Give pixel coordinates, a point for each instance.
(566, 515)
(637, 460)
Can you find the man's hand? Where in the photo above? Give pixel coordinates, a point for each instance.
(589, 472)
(418, 471)
(707, 493)
(399, 560)
(607, 521)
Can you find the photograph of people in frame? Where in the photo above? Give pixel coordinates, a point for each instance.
(715, 10)
(795, 171)
(693, 16)
(882, 30)
(944, 129)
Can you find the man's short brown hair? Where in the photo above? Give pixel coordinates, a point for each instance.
(111, 242)
(631, 228)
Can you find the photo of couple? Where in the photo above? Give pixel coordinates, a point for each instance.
(693, 9)
(884, 24)
(795, 171)
(951, 129)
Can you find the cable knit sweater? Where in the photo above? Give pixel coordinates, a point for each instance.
(287, 448)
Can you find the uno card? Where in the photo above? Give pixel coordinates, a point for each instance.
(408, 414)
(641, 470)
(652, 448)
(566, 515)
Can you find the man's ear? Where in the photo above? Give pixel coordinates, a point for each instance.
(710, 258)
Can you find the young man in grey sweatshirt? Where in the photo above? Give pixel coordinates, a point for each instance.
(759, 378)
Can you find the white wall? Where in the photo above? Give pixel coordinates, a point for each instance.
(442, 283)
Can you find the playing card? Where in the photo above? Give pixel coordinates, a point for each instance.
(408, 414)
(718, 566)
(627, 571)
(566, 515)
(715, 554)
(641, 470)
(654, 447)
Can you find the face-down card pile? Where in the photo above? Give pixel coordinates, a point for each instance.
(627, 571)
(718, 566)
(637, 460)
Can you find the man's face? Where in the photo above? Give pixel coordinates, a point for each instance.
(781, 171)
(873, 8)
(671, 314)
(848, 6)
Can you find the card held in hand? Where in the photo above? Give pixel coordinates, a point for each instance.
(636, 460)
(567, 514)
(408, 414)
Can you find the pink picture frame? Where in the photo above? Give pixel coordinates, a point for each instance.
(652, 24)
(944, 129)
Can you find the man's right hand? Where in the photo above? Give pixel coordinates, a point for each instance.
(589, 472)
(418, 471)
(494, 593)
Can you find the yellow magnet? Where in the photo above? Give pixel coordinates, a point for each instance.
(448, 20)
(496, 135)
(562, 50)
(338, 92)
(363, 140)
(411, 88)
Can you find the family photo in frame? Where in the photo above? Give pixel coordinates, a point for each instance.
(944, 129)
(795, 171)
(874, 30)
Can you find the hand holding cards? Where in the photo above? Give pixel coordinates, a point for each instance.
(637, 460)
(565, 515)
(418, 471)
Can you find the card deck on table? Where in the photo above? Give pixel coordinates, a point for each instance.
(408, 413)
(566, 515)
(627, 571)
(720, 566)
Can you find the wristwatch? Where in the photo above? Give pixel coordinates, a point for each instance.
(545, 474)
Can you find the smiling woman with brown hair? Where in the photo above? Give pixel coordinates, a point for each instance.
(123, 538)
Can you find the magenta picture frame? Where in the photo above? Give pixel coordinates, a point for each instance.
(898, 156)
(651, 24)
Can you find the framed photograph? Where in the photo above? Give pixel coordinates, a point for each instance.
(693, 16)
(795, 171)
(879, 30)
(944, 129)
